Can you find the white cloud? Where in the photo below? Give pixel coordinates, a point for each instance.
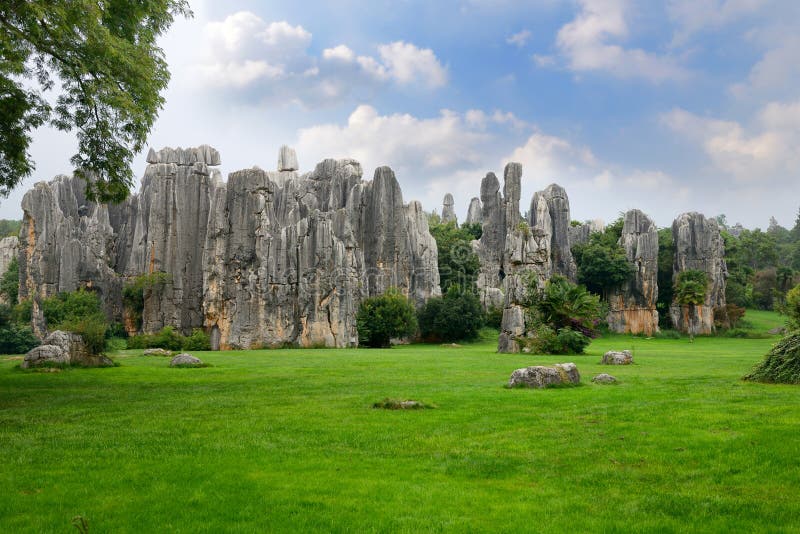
(408, 64)
(590, 42)
(271, 62)
(407, 143)
(766, 151)
(692, 16)
(519, 39)
(777, 73)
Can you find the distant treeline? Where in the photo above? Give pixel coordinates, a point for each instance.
(8, 227)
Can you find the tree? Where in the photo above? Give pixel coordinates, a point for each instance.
(9, 283)
(602, 265)
(458, 263)
(387, 316)
(792, 307)
(455, 317)
(666, 258)
(105, 57)
(691, 287)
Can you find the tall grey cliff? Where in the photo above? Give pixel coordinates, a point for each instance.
(699, 246)
(266, 259)
(632, 307)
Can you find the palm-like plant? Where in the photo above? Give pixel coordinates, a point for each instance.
(566, 305)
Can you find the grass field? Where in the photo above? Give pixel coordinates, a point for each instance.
(287, 440)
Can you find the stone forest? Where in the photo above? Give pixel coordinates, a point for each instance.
(278, 258)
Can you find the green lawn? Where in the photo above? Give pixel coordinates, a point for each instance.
(286, 440)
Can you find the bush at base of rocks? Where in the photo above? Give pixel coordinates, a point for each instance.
(782, 364)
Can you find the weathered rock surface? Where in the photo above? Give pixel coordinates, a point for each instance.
(185, 360)
(268, 258)
(613, 357)
(579, 235)
(66, 243)
(632, 307)
(542, 376)
(604, 378)
(475, 211)
(558, 205)
(699, 246)
(448, 211)
(9, 248)
(63, 348)
(157, 352)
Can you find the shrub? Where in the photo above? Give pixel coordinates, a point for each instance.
(455, 317)
(92, 329)
(15, 339)
(79, 312)
(22, 312)
(384, 317)
(792, 307)
(494, 317)
(199, 340)
(9, 282)
(781, 364)
(690, 287)
(546, 340)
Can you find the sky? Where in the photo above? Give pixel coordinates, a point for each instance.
(666, 106)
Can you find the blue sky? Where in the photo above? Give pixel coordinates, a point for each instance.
(666, 106)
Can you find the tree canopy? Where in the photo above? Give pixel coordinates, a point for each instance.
(111, 73)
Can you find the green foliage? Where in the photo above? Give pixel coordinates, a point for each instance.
(602, 262)
(170, 339)
(79, 312)
(384, 317)
(106, 58)
(781, 364)
(494, 317)
(546, 340)
(666, 258)
(458, 316)
(691, 287)
(458, 263)
(563, 304)
(22, 312)
(9, 227)
(9, 282)
(138, 288)
(198, 340)
(14, 338)
(166, 338)
(91, 328)
(734, 314)
(70, 306)
(562, 318)
(792, 307)
(473, 229)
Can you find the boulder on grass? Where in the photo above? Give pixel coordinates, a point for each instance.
(540, 376)
(157, 352)
(185, 360)
(64, 348)
(604, 378)
(614, 357)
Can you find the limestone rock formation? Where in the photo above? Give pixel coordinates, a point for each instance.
(67, 242)
(604, 378)
(475, 211)
(632, 307)
(579, 235)
(287, 159)
(63, 348)
(9, 248)
(185, 360)
(699, 246)
(268, 258)
(614, 357)
(542, 377)
(448, 213)
(558, 206)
